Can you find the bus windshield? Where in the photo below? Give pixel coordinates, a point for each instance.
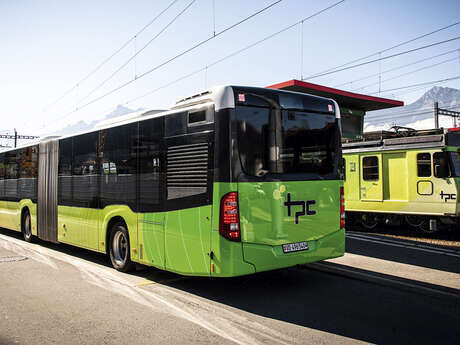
(278, 141)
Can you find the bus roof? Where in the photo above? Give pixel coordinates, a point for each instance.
(221, 96)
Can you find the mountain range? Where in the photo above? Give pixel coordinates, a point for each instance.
(419, 114)
(82, 126)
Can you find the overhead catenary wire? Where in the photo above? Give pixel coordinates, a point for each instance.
(266, 38)
(396, 68)
(410, 91)
(173, 58)
(385, 50)
(409, 113)
(99, 66)
(419, 84)
(123, 65)
(391, 116)
(186, 76)
(383, 58)
(407, 73)
(397, 111)
(407, 116)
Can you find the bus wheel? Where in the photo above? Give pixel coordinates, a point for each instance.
(26, 227)
(369, 221)
(119, 248)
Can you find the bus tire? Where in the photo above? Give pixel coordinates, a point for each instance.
(119, 250)
(26, 227)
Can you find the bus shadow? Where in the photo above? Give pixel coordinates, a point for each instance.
(312, 299)
(333, 304)
(405, 251)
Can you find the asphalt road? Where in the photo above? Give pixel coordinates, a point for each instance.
(56, 294)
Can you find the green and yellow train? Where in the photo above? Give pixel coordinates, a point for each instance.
(406, 175)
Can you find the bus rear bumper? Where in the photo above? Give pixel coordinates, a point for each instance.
(266, 257)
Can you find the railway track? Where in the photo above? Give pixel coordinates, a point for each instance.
(403, 243)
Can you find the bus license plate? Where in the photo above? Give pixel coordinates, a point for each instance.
(295, 247)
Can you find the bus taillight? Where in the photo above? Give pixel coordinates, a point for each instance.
(229, 217)
(342, 209)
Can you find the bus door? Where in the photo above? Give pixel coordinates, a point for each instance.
(47, 191)
(371, 178)
(189, 138)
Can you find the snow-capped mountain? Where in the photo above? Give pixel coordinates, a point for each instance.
(419, 114)
(84, 126)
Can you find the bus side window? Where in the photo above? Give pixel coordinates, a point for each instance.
(424, 164)
(2, 176)
(150, 162)
(440, 165)
(176, 124)
(201, 117)
(65, 171)
(344, 169)
(11, 174)
(85, 170)
(118, 160)
(28, 165)
(370, 168)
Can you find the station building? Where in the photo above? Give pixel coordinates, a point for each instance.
(353, 106)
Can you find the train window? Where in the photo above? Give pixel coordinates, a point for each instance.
(441, 165)
(424, 164)
(370, 168)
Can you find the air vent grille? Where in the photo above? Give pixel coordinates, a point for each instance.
(188, 166)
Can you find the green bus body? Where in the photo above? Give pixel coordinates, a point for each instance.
(175, 223)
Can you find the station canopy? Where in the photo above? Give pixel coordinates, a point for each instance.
(353, 106)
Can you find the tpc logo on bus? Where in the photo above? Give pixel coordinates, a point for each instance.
(305, 207)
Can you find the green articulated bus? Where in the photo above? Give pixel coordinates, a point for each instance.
(228, 182)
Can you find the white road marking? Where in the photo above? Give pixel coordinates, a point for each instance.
(209, 315)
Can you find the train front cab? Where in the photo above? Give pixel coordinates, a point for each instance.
(413, 185)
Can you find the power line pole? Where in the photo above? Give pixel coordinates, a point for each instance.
(445, 112)
(436, 115)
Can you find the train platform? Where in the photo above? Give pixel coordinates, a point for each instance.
(403, 264)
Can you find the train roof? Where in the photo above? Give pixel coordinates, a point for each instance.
(403, 138)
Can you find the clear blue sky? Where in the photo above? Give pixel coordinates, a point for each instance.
(47, 46)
